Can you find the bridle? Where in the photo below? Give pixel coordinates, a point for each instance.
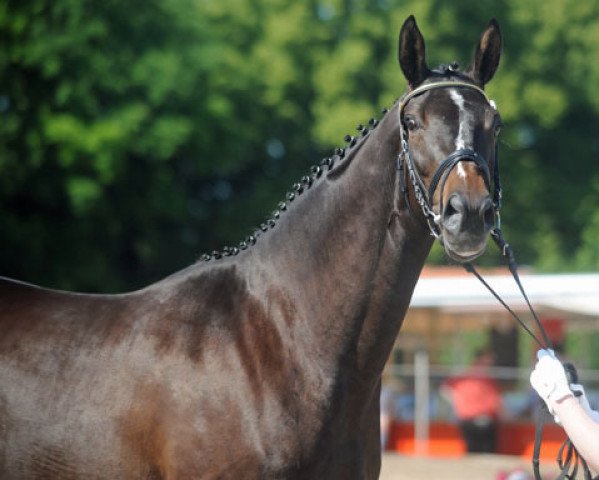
(424, 196)
(568, 457)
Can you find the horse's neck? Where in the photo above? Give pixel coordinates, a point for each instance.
(346, 258)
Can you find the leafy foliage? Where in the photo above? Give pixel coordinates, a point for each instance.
(136, 135)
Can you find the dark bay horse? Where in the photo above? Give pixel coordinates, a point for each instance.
(263, 361)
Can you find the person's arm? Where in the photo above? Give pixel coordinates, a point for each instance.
(580, 427)
(550, 381)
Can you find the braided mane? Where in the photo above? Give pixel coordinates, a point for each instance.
(315, 172)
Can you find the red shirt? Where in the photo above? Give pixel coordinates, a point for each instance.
(474, 394)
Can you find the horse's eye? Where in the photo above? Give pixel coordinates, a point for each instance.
(410, 123)
(497, 128)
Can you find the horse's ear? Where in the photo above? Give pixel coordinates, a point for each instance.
(411, 53)
(486, 57)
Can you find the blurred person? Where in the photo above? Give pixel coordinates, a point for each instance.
(568, 404)
(476, 400)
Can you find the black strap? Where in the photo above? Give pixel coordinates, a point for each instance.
(403, 183)
(447, 165)
(497, 192)
(568, 458)
(424, 196)
(508, 253)
(470, 268)
(536, 453)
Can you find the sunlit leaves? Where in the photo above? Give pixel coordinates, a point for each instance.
(145, 132)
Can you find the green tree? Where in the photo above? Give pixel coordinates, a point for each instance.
(134, 136)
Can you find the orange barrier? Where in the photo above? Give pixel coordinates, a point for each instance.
(445, 440)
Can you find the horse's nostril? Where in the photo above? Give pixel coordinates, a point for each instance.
(449, 211)
(454, 206)
(488, 212)
(460, 214)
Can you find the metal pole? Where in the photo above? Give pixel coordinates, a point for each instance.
(421, 409)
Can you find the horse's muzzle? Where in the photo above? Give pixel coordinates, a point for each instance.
(465, 226)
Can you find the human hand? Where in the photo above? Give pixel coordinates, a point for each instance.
(549, 378)
(580, 394)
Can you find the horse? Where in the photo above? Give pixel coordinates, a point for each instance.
(264, 360)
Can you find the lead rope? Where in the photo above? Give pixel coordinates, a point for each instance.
(568, 458)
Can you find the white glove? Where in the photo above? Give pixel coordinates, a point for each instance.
(579, 393)
(549, 378)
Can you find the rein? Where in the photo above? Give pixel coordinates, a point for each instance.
(568, 458)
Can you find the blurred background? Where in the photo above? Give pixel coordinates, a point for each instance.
(134, 136)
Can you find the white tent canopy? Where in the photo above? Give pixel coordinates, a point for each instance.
(576, 293)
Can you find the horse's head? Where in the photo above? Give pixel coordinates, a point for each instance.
(449, 130)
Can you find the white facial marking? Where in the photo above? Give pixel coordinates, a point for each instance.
(464, 119)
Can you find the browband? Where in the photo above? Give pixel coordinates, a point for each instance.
(446, 83)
